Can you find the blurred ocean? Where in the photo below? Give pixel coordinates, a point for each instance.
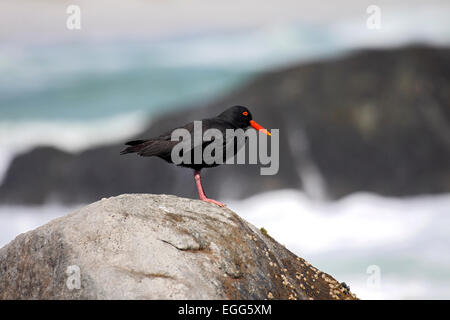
(74, 95)
(77, 94)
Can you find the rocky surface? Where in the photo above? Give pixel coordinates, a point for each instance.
(376, 120)
(156, 247)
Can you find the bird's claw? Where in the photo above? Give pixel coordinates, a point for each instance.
(220, 204)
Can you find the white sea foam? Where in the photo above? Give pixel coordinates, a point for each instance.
(72, 136)
(15, 220)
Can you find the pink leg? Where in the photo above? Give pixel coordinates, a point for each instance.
(201, 193)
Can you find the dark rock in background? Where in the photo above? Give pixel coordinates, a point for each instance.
(375, 120)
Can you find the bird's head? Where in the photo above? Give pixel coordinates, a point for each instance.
(242, 118)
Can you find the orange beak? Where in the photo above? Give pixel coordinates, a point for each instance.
(259, 127)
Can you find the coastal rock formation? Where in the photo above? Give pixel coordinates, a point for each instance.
(157, 247)
(375, 120)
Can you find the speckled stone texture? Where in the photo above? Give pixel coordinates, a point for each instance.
(157, 247)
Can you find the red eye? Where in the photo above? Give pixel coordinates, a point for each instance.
(245, 113)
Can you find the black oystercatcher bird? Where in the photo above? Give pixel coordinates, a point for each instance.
(237, 117)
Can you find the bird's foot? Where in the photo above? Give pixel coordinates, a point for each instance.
(220, 204)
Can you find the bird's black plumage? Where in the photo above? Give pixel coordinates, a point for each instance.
(233, 118)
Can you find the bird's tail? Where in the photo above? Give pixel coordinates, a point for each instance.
(134, 146)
